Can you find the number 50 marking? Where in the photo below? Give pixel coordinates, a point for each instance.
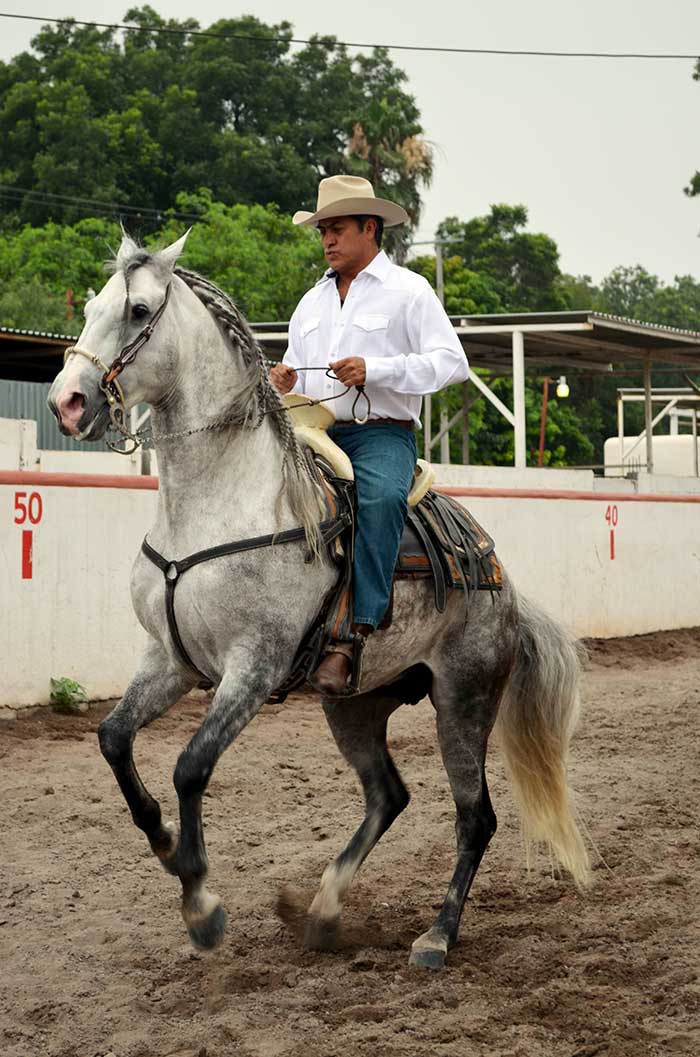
(30, 509)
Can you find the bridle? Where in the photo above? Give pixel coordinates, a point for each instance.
(114, 394)
(109, 383)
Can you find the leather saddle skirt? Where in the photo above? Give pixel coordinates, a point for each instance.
(441, 539)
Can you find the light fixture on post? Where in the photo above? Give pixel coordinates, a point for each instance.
(562, 387)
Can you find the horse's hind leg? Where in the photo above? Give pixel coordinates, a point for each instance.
(152, 691)
(359, 729)
(464, 720)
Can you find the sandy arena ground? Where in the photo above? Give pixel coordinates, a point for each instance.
(95, 959)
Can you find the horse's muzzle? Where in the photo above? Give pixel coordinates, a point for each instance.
(78, 416)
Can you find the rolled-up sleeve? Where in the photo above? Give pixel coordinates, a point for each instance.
(436, 358)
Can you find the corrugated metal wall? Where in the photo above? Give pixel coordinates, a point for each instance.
(28, 400)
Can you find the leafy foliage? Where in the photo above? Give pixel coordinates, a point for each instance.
(67, 695)
(253, 252)
(87, 116)
(522, 267)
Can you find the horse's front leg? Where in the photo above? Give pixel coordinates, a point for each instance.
(238, 698)
(153, 690)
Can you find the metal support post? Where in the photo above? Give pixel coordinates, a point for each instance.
(519, 398)
(695, 443)
(445, 430)
(621, 428)
(648, 425)
(466, 404)
(427, 426)
(440, 286)
(439, 274)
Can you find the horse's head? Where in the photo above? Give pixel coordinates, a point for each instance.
(115, 361)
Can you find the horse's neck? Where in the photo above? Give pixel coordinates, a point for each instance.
(216, 484)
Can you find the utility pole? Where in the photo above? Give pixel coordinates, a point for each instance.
(427, 401)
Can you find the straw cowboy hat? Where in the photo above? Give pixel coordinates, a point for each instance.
(346, 196)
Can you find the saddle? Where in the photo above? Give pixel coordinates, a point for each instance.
(441, 540)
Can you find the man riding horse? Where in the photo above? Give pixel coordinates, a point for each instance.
(382, 327)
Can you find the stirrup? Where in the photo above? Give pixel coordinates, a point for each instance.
(355, 642)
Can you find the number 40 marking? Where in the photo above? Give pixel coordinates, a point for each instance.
(611, 517)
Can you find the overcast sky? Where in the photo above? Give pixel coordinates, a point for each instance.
(598, 150)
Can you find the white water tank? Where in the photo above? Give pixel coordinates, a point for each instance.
(673, 455)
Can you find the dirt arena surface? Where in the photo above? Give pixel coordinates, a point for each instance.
(95, 960)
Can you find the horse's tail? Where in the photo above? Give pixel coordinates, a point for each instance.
(537, 718)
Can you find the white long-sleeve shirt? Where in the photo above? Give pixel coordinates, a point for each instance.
(392, 318)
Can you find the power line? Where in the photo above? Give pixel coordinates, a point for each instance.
(168, 30)
(88, 205)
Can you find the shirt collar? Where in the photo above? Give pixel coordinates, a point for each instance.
(379, 267)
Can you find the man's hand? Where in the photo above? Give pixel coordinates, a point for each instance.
(283, 378)
(351, 371)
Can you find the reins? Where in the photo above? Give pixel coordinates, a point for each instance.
(325, 399)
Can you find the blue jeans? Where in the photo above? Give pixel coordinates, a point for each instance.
(384, 459)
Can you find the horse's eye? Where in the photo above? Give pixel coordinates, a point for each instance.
(139, 310)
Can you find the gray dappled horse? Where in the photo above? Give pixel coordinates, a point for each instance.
(228, 471)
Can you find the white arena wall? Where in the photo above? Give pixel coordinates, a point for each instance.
(606, 557)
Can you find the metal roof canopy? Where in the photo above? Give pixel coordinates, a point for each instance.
(31, 355)
(499, 343)
(588, 340)
(578, 340)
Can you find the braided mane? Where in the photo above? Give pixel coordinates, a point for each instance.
(258, 396)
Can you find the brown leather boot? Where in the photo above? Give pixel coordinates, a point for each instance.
(332, 674)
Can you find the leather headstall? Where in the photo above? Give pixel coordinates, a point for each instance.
(109, 383)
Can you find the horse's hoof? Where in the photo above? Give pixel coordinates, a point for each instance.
(322, 934)
(208, 933)
(427, 959)
(429, 951)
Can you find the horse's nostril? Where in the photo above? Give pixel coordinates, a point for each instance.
(70, 405)
(76, 402)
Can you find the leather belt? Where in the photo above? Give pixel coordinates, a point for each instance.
(407, 423)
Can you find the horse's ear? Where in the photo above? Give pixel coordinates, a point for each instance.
(127, 249)
(171, 253)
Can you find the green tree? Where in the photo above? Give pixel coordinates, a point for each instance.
(138, 121)
(523, 267)
(637, 294)
(253, 252)
(578, 292)
(466, 293)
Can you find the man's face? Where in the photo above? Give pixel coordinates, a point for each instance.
(345, 246)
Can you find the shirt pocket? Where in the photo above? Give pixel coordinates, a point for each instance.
(369, 334)
(309, 336)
